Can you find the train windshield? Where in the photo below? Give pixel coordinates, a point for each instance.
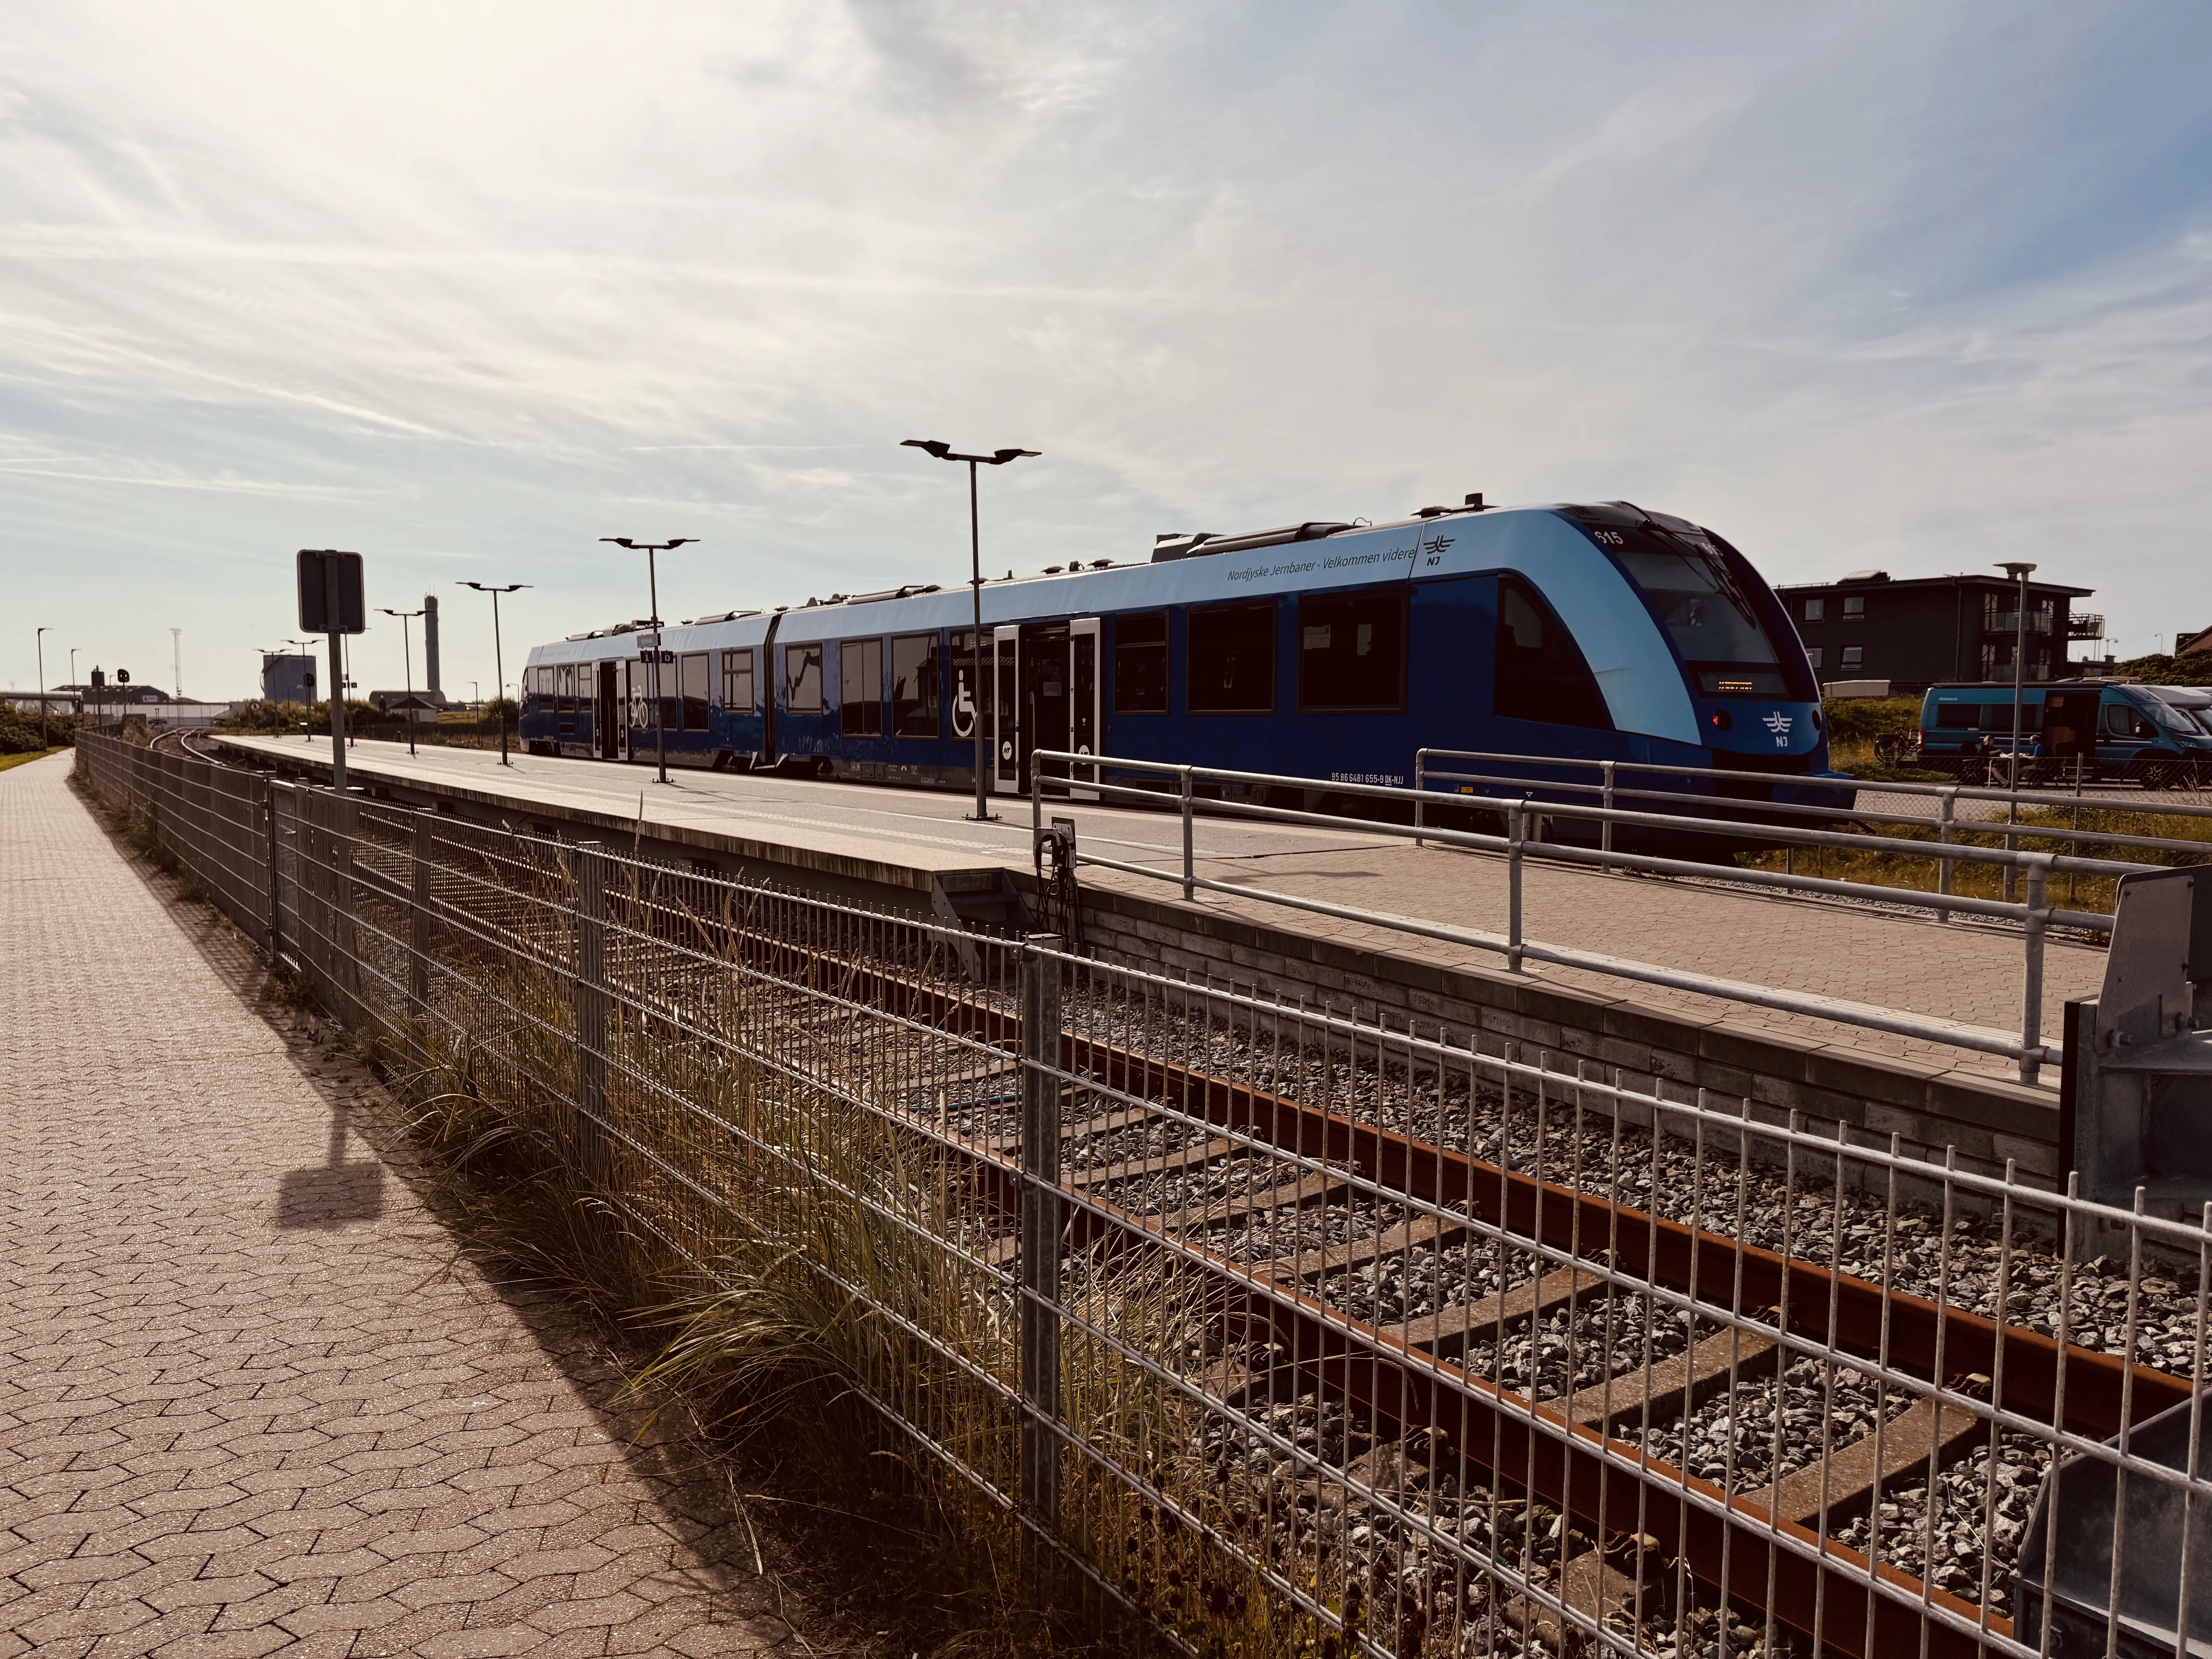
(1714, 622)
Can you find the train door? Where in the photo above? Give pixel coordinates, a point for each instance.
(1005, 702)
(637, 708)
(606, 723)
(1045, 702)
(1083, 700)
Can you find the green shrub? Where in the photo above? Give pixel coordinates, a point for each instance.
(2195, 669)
(19, 732)
(1862, 720)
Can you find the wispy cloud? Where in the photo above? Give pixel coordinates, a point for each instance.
(1893, 282)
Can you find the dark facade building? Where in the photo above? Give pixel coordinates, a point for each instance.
(1928, 630)
(287, 679)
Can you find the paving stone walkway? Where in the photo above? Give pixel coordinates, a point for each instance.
(252, 1400)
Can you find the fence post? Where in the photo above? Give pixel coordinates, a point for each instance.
(418, 919)
(275, 878)
(1514, 821)
(1040, 1235)
(1189, 871)
(1420, 790)
(1949, 796)
(1605, 829)
(2031, 1013)
(345, 935)
(591, 919)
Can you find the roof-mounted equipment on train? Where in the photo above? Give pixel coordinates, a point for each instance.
(1180, 544)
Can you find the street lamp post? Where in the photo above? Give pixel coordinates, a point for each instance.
(652, 585)
(498, 666)
(40, 638)
(945, 452)
(2019, 570)
(407, 656)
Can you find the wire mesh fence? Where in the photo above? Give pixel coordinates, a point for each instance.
(1271, 1327)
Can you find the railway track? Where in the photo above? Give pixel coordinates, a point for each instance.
(1768, 1545)
(1294, 1217)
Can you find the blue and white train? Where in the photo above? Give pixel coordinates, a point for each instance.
(1330, 652)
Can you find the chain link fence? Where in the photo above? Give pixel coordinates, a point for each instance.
(1273, 1329)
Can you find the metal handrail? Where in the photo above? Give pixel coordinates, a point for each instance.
(2035, 913)
(1960, 791)
(2103, 837)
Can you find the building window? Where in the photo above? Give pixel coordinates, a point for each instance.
(1140, 663)
(860, 688)
(1816, 610)
(1812, 655)
(1854, 605)
(1352, 653)
(738, 682)
(915, 695)
(1231, 660)
(1854, 655)
(692, 681)
(1540, 673)
(802, 678)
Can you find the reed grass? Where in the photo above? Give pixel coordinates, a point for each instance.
(806, 1274)
(1917, 872)
(802, 1272)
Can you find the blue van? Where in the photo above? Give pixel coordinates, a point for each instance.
(1967, 730)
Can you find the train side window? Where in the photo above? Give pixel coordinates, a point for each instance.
(1231, 660)
(860, 688)
(691, 680)
(1540, 672)
(1140, 663)
(914, 686)
(1955, 716)
(738, 682)
(802, 678)
(1351, 653)
(565, 693)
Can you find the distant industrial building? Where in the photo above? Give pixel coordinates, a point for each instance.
(430, 641)
(287, 679)
(1926, 629)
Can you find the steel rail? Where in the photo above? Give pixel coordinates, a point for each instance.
(1581, 1470)
(2040, 1380)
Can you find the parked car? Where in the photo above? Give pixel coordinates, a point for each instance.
(2141, 735)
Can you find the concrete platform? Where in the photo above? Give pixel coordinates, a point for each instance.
(885, 842)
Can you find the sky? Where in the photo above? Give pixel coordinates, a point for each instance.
(467, 286)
